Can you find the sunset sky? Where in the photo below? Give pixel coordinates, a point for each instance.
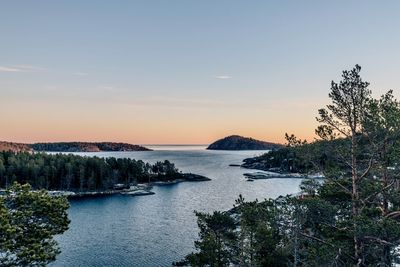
(184, 72)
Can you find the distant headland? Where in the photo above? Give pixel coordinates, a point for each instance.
(237, 142)
(71, 147)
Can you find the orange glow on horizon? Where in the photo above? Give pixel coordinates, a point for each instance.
(38, 121)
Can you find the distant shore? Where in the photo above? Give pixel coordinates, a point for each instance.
(71, 147)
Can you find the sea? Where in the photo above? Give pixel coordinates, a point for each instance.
(159, 229)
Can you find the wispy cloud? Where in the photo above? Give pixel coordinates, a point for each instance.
(21, 68)
(80, 73)
(107, 88)
(30, 68)
(9, 69)
(223, 77)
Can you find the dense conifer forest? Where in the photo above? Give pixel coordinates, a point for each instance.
(76, 173)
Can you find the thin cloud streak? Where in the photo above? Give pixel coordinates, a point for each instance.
(80, 73)
(21, 68)
(223, 77)
(30, 68)
(107, 88)
(9, 69)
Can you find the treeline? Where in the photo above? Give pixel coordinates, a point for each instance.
(78, 173)
(299, 156)
(86, 147)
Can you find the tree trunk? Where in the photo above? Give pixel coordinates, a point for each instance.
(355, 201)
(385, 203)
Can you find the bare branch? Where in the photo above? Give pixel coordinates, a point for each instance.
(332, 124)
(368, 169)
(324, 242)
(393, 214)
(381, 241)
(341, 186)
(376, 193)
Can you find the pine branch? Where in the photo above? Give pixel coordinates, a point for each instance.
(326, 243)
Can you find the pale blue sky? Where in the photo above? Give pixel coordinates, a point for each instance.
(184, 71)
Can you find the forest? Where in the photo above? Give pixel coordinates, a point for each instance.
(86, 147)
(352, 218)
(77, 173)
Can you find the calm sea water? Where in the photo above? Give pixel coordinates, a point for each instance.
(158, 229)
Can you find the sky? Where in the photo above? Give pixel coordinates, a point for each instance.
(184, 72)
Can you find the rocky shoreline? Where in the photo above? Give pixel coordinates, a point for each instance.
(256, 164)
(134, 190)
(264, 172)
(271, 175)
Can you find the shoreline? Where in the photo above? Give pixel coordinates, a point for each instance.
(258, 175)
(142, 189)
(260, 172)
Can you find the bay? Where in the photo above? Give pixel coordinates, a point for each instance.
(158, 229)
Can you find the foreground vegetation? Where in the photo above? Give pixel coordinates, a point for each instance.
(77, 173)
(28, 222)
(351, 219)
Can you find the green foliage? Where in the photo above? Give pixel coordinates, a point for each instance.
(249, 235)
(216, 239)
(259, 239)
(28, 222)
(77, 173)
(344, 116)
(306, 158)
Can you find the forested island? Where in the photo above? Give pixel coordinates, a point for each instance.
(71, 147)
(236, 142)
(67, 172)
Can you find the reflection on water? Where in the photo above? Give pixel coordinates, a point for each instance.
(159, 229)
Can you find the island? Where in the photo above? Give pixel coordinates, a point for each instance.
(71, 147)
(79, 176)
(237, 142)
